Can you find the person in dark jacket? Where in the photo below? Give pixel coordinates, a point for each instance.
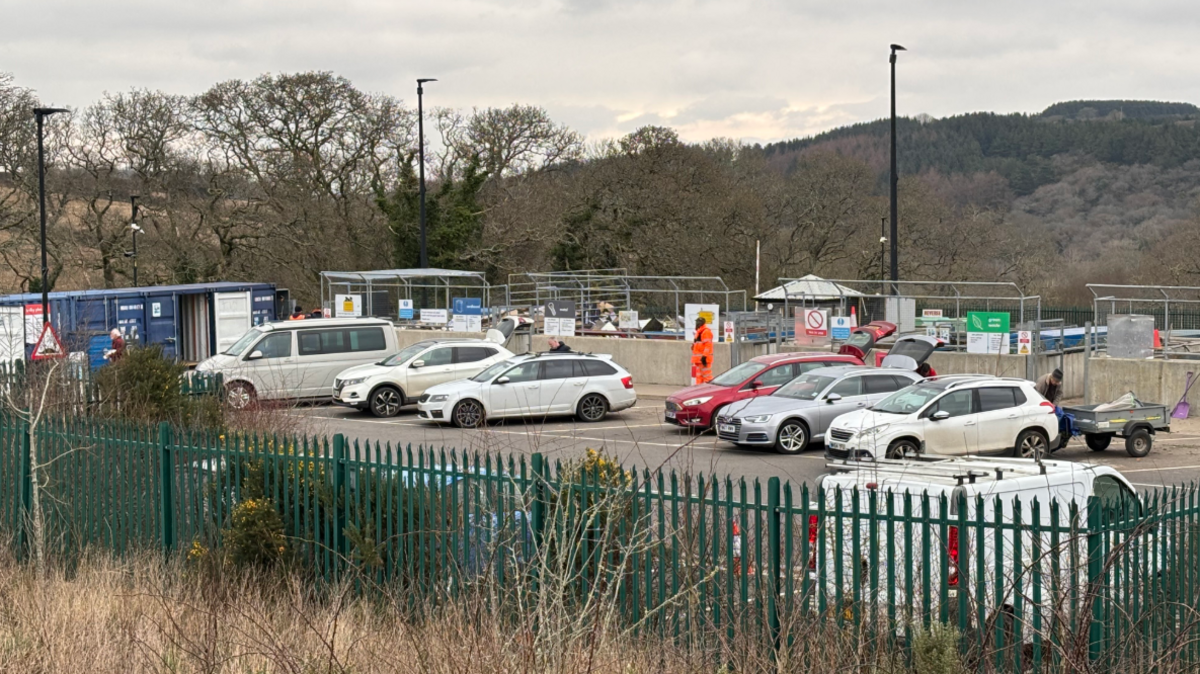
(557, 346)
(1050, 386)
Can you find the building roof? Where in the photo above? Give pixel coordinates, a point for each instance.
(810, 287)
(405, 273)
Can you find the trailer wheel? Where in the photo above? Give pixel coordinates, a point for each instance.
(1098, 442)
(1138, 443)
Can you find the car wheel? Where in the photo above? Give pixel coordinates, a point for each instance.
(239, 395)
(792, 438)
(468, 414)
(592, 408)
(1138, 443)
(1098, 442)
(712, 421)
(903, 449)
(1031, 444)
(386, 401)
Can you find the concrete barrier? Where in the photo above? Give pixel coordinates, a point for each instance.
(1159, 381)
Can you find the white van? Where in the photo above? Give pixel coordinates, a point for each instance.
(935, 521)
(298, 359)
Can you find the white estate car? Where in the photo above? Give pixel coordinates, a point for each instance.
(960, 414)
(586, 385)
(401, 378)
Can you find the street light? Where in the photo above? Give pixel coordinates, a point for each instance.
(883, 250)
(133, 226)
(41, 114)
(895, 178)
(421, 161)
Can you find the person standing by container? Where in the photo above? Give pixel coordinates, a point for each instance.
(117, 350)
(702, 353)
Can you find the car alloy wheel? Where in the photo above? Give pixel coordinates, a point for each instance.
(593, 407)
(468, 414)
(239, 395)
(793, 438)
(902, 449)
(1031, 445)
(386, 402)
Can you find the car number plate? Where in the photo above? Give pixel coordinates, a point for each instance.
(726, 428)
(837, 445)
(670, 414)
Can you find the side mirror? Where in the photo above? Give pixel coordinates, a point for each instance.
(756, 383)
(940, 415)
(255, 355)
(833, 397)
(502, 380)
(418, 363)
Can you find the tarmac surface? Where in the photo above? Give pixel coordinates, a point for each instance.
(639, 437)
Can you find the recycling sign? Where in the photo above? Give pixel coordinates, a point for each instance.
(987, 332)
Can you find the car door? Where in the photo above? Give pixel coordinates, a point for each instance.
(1000, 419)
(769, 380)
(852, 398)
(271, 366)
(471, 360)
(563, 380)
(520, 392)
(959, 432)
(435, 366)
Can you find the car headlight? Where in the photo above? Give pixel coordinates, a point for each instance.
(757, 419)
(697, 401)
(873, 431)
(352, 382)
(439, 398)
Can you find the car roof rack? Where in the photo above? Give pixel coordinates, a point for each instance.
(958, 469)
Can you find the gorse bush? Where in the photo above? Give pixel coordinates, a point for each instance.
(144, 386)
(935, 651)
(255, 535)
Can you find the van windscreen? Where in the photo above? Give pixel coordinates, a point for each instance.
(243, 342)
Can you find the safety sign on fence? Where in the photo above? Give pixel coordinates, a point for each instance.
(987, 332)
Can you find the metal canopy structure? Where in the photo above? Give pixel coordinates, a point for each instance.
(599, 290)
(381, 289)
(871, 296)
(1153, 301)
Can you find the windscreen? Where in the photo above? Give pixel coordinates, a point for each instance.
(404, 355)
(739, 374)
(804, 387)
(243, 342)
(908, 400)
(494, 370)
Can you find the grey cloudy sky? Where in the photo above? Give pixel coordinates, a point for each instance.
(757, 70)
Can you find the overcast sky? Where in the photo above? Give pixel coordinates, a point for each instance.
(757, 70)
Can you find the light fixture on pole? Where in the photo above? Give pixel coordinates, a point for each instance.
(421, 163)
(894, 179)
(41, 114)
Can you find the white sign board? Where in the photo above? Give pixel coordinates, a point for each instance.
(405, 309)
(1024, 342)
(987, 342)
(812, 326)
(710, 312)
(435, 316)
(931, 313)
(466, 323)
(33, 323)
(628, 320)
(347, 306)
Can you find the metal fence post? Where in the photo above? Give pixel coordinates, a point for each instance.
(1095, 568)
(25, 492)
(166, 487)
(1087, 356)
(538, 507)
(339, 489)
(773, 550)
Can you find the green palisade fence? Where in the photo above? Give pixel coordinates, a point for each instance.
(1030, 585)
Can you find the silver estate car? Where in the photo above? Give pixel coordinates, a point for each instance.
(802, 410)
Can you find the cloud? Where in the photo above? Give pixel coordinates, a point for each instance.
(750, 69)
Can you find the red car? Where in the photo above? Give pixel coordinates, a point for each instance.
(697, 406)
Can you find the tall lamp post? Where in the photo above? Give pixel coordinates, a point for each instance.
(883, 240)
(41, 114)
(895, 179)
(136, 229)
(421, 163)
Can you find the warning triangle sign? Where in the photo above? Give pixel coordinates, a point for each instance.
(48, 345)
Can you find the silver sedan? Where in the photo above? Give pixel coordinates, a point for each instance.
(800, 411)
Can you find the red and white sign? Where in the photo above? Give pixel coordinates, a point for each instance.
(728, 331)
(1024, 342)
(33, 323)
(816, 323)
(48, 345)
(931, 313)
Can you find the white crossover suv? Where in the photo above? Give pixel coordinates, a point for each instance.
(588, 386)
(402, 378)
(951, 415)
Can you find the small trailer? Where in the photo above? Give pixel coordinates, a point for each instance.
(1137, 425)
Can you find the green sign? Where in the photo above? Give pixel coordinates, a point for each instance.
(987, 321)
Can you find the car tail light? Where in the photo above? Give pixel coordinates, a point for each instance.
(1047, 403)
(952, 549)
(627, 382)
(812, 541)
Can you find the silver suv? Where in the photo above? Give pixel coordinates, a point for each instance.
(800, 411)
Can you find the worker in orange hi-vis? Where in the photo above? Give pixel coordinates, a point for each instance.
(702, 353)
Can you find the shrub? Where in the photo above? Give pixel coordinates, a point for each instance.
(935, 651)
(255, 534)
(145, 386)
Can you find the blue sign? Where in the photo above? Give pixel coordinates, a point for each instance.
(840, 328)
(468, 306)
(406, 309)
